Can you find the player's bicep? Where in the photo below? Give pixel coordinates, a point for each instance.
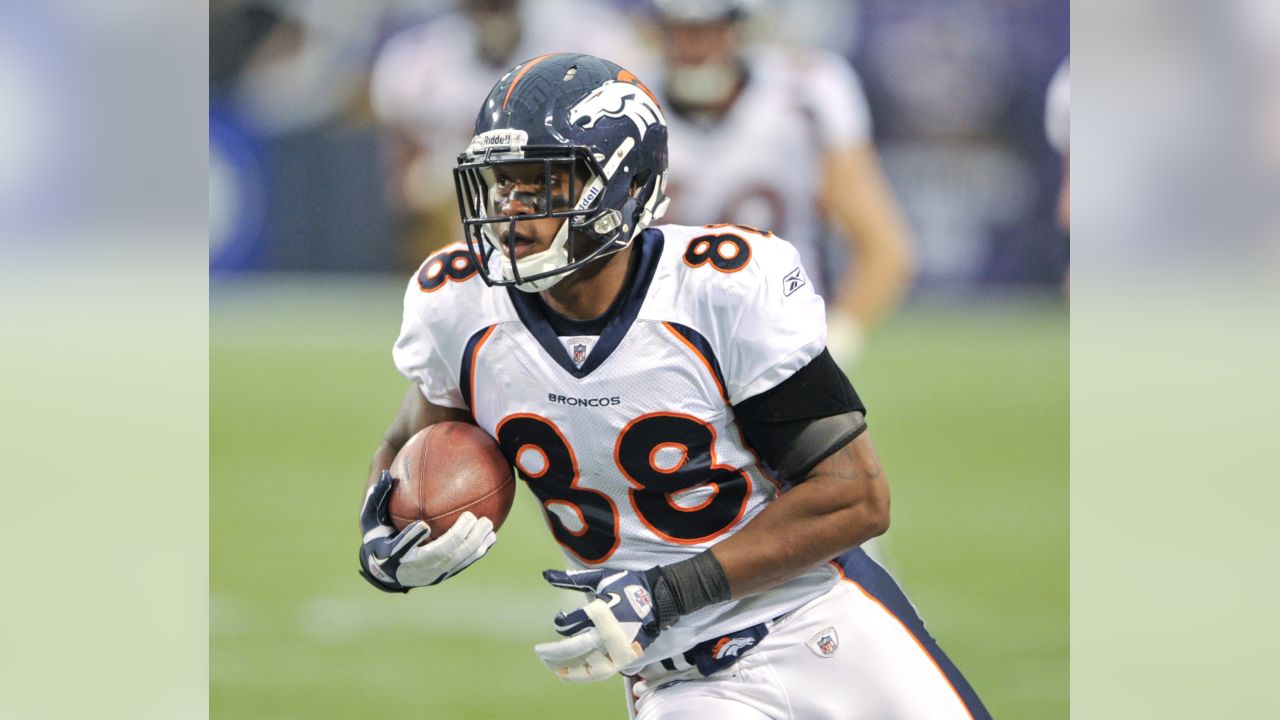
(803, 420)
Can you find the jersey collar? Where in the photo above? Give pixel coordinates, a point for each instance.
(534, 313)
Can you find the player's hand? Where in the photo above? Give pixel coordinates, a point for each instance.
(608, 633)
(399, 561)
(846, 338)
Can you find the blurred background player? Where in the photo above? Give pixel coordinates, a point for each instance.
(1057, 125)
(429, 77)
(780, 139)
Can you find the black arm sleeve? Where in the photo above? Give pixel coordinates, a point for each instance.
(804, 419)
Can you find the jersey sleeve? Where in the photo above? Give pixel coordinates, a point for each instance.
(777, 323)
(833, 97)
(418, 354)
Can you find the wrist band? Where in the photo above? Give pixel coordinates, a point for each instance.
(686, 586)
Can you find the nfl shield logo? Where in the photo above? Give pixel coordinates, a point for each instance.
(578, 348)
(825, 643)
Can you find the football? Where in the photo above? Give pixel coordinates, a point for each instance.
(446, 469)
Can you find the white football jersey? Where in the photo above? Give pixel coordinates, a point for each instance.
(761, 164)
(632, 448)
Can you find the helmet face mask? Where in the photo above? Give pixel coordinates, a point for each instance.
(579, 118)
(487, 191)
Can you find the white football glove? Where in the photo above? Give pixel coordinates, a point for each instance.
(580, 658)
(451, 553)
(609, 632)
(398, 561)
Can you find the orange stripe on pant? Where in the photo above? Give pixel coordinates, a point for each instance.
(907, 630)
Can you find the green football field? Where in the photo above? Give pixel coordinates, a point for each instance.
(968, 404)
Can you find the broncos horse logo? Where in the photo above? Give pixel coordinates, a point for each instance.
(731, 647)
(618, 99)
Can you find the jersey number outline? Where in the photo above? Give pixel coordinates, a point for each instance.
(656, 486)
(726, 252)
(455, 265)
(557, 483)
(656, 483)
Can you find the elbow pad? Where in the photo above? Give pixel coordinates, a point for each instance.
(819, 440)
(804, 419)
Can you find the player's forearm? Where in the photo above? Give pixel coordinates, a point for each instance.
(876, 282)
(415, 413)
(879, 238)
(843, 503)
(382, 458)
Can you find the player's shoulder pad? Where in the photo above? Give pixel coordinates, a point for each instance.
(727, 266)
(746, 293)
(450, 299)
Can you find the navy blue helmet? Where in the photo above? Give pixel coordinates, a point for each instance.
(570, 112)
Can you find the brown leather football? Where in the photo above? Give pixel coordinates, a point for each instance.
(448, 468)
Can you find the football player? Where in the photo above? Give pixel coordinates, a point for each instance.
(428, 78)
(666, 394)
(781, 138)
(1057, 127)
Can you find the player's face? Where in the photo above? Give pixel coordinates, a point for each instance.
(521, 189)
(696, 44)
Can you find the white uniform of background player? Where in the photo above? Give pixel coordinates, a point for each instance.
(628, 438)
(761, 164)
(780, 138)
(1057, 126)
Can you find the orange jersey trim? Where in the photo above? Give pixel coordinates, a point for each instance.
(702, 359)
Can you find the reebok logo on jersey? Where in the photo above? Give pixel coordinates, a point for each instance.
(731, 647)
(639, 599)
(825, 643)
(792, 281)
